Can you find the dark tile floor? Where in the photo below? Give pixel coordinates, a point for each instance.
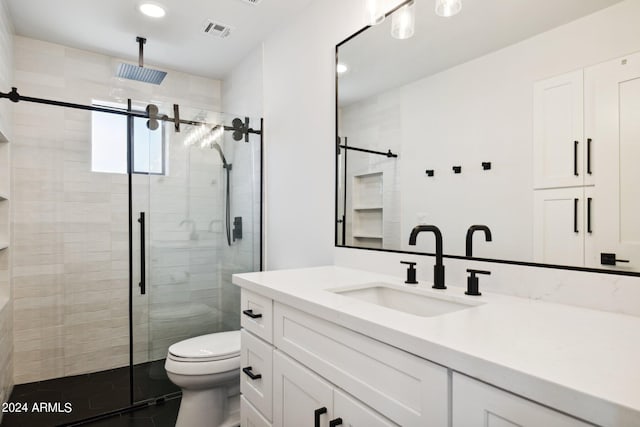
(92, 394)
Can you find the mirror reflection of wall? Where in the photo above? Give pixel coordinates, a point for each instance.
(510, 83)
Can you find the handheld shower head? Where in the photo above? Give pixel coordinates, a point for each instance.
(217, 147)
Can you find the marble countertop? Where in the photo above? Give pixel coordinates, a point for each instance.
(579, 361)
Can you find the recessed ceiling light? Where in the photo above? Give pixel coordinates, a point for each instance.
(152, 9)
(341, 68)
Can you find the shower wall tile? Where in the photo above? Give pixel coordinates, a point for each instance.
(70, 225)
(7, 355)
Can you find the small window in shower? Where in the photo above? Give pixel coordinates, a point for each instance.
(109, 144)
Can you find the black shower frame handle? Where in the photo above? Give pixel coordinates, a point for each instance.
(143, 279)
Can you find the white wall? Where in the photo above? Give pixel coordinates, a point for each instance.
(300, 116)
(299, 112)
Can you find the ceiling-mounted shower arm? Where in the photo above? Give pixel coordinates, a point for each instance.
(141, 42)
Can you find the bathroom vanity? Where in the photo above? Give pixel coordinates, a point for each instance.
(332, 346)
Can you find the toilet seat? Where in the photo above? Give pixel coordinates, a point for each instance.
(206, 354)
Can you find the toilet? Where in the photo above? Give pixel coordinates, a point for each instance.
(207, 369)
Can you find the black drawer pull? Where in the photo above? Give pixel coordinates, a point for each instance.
(335, 422)
(575, 158)
(250, 374)
(589, 156)
(575, 216)
(251, 314)
(589, 200)
(316, 416)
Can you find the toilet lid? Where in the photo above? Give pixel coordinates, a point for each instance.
(218, 346)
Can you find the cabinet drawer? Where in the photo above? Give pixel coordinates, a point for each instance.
(478, 404)
(257, 315)
(408, 390)
(249, 416)
(256, 358)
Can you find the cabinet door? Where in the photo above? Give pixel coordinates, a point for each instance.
(477, 404)
(356, 414)
(256, 381)
(558, 144)
(250, 416)
(612, 102)
(298, 393)
(558, 226)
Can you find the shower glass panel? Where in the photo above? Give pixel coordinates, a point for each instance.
(201, 205)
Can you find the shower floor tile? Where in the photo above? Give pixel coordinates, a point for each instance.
(96, 393)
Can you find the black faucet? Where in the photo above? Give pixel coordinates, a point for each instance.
(438, 269)
(470, 231)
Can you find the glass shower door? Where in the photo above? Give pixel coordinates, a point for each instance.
(201, 203)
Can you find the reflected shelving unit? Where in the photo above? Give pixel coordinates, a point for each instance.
(367, 211)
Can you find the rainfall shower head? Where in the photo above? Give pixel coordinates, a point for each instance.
(140, 73)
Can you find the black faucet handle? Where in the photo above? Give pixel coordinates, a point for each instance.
(473, 287)
(411, 272)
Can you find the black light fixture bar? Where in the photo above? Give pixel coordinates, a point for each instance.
(364, 150)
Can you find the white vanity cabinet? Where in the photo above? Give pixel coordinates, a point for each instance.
(302, 398)
(311, 372)
(312, 364)
(476, 404)
(256, 360)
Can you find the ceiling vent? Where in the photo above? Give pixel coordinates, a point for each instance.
(216, 29)
(252, 2)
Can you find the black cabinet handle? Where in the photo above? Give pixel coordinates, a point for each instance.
(575, 215)
(589, 200)
(143, 270)
(251, 314)
(316, 416)
(250, 374)
(335, 422)
(575, 157)
(589, 156)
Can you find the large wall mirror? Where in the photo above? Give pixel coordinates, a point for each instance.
(518, 117)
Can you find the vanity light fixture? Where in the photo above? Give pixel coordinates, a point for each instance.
(373, 12)
(403, 22)
(152, 10)
(447, 8)
(341, 68)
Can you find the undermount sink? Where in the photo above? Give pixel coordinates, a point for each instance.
(407, 300)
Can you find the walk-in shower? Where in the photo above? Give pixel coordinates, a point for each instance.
(115, 292)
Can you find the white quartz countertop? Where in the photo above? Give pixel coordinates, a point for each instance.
(579, 361)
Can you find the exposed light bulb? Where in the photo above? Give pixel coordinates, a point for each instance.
(373, 13)
(447, 8)
(403, 21)
(341, 68)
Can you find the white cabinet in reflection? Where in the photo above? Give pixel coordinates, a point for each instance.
(558, 130)
(559, 226)
(612, 111)
(592, 180)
